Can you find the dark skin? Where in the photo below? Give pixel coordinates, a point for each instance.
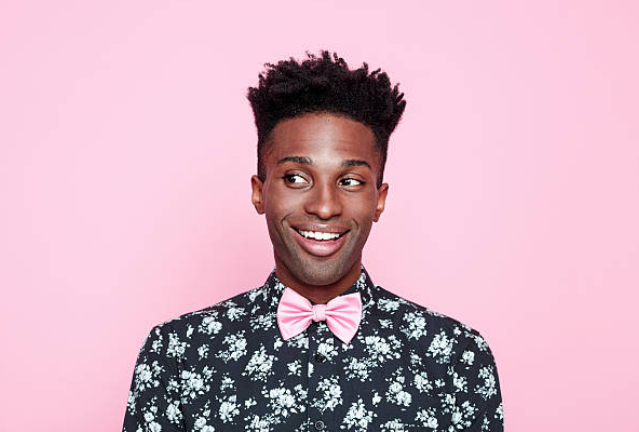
(321, 173)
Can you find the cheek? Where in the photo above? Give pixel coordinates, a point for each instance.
(363, 209)
(281, 202)
(278, 208)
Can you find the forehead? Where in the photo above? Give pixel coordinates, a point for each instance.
(322, 135)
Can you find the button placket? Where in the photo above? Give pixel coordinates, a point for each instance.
(317, 366)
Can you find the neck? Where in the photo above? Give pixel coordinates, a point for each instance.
(318, 294)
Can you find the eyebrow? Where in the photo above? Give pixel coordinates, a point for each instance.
(296, 159)
(303, 160)
(356, 162)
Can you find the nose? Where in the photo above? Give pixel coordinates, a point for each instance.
(324, 201)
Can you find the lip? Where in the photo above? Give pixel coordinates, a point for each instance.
(320, 248)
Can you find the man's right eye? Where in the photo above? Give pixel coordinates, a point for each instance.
(294, 178)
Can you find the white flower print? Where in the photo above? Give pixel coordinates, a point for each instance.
(357, 369)
(255, 293)
(387, 305)
(260, 365)
(193, 384)
(229, 409)
(255, 423)
(235, 313)
(460, 383)
(330, 394)
(358, 417)
(131, 402)
(237, 347)
(415, 325)
(156, 344)
(227, 383)
(176, 347)
(202, 419)
(263, 321)
(441, 347)
(395, 425)
(468, 357)
(386, 323)
(173, 413)
(428, 417)
(415, 360)
(396, 393)
(210, 325)
(378, 349)
(488, 388)
(278, 344)
(300, 341)
(422, 383)
(327, 349)
(462, 415)
(295, 368)
(144, 378)
(283, 401)
(203, 352)
(149, 414)
(479, 341)
(199, 423)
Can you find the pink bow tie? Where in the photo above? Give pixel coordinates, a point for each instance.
(342, 314)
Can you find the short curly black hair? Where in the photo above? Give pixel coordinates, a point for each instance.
(325, 83)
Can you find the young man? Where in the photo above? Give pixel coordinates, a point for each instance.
(318, 347)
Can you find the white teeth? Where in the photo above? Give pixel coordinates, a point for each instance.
(316, 235)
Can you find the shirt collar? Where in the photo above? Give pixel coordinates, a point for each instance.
(364, 285)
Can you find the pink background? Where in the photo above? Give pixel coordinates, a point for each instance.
(126, 147)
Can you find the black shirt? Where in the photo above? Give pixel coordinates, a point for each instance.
(227, 367)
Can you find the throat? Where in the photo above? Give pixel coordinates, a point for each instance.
(317, 293)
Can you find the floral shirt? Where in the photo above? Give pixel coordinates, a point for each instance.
(227, 368)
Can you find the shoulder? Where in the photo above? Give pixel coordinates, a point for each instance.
(442, 337)
(231, 312)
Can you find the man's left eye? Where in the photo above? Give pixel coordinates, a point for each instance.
(349, 181)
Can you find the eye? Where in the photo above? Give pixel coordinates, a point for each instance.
(294, 179)
(351, 182)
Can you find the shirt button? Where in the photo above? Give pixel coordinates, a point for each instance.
(319, 425)
(319, 358)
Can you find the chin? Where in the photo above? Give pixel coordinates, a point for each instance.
(319, 274)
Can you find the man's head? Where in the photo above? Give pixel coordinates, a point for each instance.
(322, 137)
(290, 88)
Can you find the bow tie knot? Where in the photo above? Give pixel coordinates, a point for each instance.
(319, 312)
(342, 314)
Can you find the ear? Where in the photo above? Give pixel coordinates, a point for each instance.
(256, 195)
(382, 192)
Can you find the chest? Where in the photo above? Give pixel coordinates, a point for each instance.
(315, 382)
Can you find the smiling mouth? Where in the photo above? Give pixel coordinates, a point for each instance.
(320, 235)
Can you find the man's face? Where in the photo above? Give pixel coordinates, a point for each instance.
(319, 196)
